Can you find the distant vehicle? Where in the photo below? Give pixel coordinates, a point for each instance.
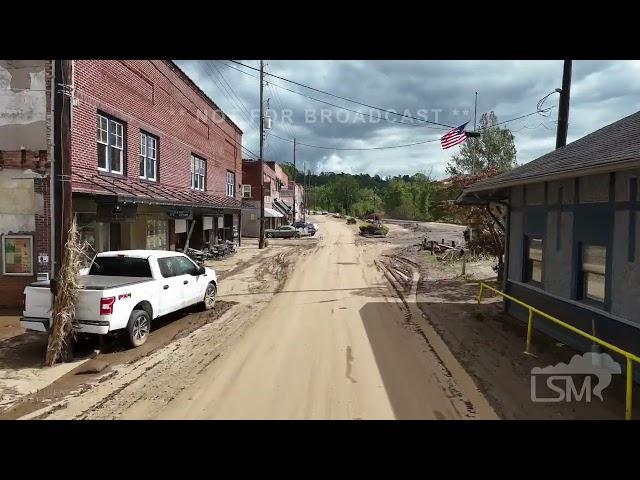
(325, 213)
(125, 290)
(299, 224)
(311, 229)
(284, 231)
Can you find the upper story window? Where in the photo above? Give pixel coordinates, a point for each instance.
(246, 191)
(110, 141)
(148, 156)
(198, 172)
(533, 264)
(593, 269)
(231, 181)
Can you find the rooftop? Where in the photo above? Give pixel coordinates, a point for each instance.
(613, 147)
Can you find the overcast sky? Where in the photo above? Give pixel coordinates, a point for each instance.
(442, 91)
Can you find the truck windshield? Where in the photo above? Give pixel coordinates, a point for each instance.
(121, 267)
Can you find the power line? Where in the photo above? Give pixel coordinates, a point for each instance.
(356, 149)
(538, 111)
(333, 104)
(228, 92)
(348, 99)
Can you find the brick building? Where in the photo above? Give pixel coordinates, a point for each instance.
(155, 161)
(25, 152)
(294, 195)
(276, 212)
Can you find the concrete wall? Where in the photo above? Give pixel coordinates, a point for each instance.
(25, 144)
(23, 105)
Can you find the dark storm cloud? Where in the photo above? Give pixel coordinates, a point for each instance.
(443, 91)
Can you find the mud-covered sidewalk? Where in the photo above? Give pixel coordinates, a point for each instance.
(188, 340)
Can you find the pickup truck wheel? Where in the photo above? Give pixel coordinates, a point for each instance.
(210, 296)
(269, 235)
(139, 327)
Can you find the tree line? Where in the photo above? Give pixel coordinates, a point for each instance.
(418, 196)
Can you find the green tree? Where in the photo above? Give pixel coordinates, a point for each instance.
(494, 149)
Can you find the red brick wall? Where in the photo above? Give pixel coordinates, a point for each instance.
(153, 95)
(251, 176)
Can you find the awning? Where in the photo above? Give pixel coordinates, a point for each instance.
(281, 206)
(125, 189)
(271, 213)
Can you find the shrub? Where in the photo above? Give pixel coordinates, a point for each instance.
(351, 221)
(372, 229)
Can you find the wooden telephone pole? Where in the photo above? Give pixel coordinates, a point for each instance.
(563, 111)
(295, 172)
(63, 212)
(261, 240)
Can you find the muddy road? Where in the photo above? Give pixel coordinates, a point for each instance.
(316, 335)
(332, 344)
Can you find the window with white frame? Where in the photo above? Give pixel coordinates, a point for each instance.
(246, 191)
(110, 143)
(593, 272)
(533, 266)
(231, 181)
(198, 172)
(148, 156)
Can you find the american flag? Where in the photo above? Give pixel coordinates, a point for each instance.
(454, 137)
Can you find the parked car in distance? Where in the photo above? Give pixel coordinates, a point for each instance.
(126, 290)
(299, 224)
(311, 229)
(283, 231)
(325, 213)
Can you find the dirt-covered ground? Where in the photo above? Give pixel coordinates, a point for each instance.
(179, 346)
(487, 342)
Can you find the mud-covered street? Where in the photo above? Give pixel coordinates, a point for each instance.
(315, 332)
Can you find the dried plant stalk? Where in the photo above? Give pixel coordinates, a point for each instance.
(64, 324)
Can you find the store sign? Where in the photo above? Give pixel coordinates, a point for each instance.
(17, 255)
(116, 212)
(180, 213)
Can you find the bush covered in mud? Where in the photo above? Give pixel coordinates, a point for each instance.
(351, 221)
(373, 229)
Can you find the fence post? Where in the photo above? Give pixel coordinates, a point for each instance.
(480, 293)
(629, 403)
(529, 331)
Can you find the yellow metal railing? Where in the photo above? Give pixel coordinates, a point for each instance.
(629, 356)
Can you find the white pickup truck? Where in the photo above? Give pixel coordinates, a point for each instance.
(126, 290)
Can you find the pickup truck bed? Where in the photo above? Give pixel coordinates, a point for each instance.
(100, 282)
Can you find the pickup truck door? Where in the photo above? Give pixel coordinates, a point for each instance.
(170, 295)
(193, 286)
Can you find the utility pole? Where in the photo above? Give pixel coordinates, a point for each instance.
(261, 240)
(294, 179)
(304, 191)
(563, 111)
(475, 112)
(374, 201)
(63, 212)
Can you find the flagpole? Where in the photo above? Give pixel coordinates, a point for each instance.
(473, 161)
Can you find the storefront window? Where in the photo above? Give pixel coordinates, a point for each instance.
(157, 234)
(95, 235)
(17, 255)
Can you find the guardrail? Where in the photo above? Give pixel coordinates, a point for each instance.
(629, 356)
